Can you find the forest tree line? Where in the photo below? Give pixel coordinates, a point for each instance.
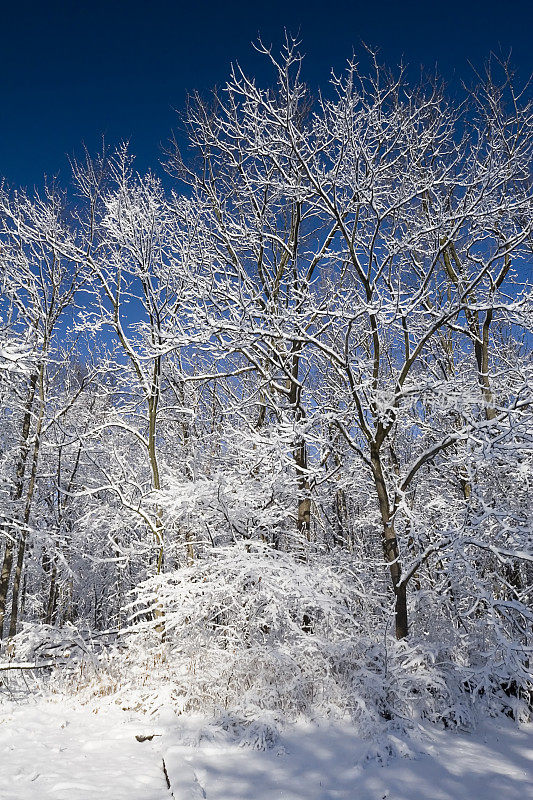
(311, 338)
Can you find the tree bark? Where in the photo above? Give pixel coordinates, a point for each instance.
(27, 509)
(390, 547)
(16, 495)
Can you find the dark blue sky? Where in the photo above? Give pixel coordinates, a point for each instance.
(72, 71)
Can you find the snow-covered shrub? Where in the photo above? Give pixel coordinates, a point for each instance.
(252, 635)
(248, 629)
(38, 643)
(255, 638)
(62, 661)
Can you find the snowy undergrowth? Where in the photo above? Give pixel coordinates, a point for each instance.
(255, 639)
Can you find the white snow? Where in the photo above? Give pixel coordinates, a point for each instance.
(67, 752)
(54, 750)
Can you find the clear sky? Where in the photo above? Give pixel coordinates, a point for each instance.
(72, 71)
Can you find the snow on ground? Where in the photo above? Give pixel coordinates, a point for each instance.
(333, 763)
(54, 750)
(60, 750)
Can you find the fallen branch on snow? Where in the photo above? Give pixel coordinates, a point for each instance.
(27, 665)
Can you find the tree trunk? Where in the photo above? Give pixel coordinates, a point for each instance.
(16, 585)
(15, 496)
(304, 502)
(52, 595)
(300, 453)
(390, 547)
(27, 509)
